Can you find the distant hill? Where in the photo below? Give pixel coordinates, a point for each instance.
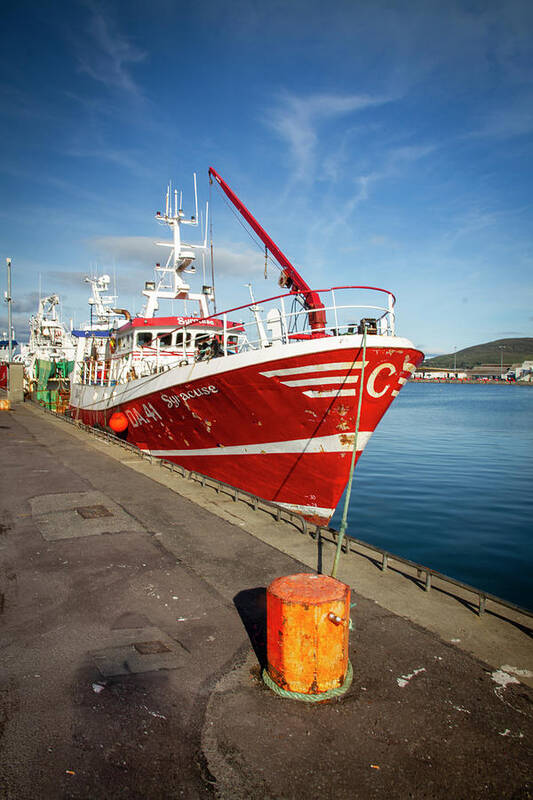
(514, 351)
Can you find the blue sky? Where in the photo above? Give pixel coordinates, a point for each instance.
(378, 143)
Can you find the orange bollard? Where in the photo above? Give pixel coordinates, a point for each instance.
(308, 619)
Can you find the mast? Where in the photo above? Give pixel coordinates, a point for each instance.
(100, 302)
(291, 277)
(172, 284)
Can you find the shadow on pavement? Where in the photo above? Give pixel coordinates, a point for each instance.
(251, 605)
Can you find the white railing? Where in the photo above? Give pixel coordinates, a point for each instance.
(285, 325)
(282, 319)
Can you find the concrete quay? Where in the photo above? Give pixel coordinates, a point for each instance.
(132, 632)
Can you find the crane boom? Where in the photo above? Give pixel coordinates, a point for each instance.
(292, 278)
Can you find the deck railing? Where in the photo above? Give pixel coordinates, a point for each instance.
(285, 318)
(277, 320)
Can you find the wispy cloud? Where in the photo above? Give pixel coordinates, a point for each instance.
(243, 263)
(65, 185)
(471, 222)
(142, 251)
(132, 250)
(131, 161)
(61, 278)
(26, 302)
(297, 120)
(390, 163)
(20, 324)
(507, 121)
(359, 194)
(106, 55)
(329, 140)
(17, 104)
(24, 305)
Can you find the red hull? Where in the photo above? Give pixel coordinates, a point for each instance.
(281, 429)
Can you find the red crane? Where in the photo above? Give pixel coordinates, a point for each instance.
(290, 277)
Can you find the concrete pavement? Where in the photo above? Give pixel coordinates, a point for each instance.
(131, 636)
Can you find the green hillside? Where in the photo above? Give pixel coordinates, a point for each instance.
(514, 351)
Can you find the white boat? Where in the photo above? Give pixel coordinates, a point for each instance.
(48, 358)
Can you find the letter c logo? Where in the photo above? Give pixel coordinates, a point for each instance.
(373, 375)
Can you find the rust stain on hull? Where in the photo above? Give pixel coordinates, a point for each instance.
(347, 439)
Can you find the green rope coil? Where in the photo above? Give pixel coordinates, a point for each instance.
(311, 698)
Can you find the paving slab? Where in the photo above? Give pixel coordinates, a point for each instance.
(69, 515)
(139, 650)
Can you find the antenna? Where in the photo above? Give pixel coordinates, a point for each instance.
(206, 221)
(250, 289)
(195, 199)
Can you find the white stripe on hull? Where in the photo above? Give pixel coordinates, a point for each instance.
(274, 373)
(320, 444)
(339, 380)
(332, 393)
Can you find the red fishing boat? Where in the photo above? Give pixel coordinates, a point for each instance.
(262, 396)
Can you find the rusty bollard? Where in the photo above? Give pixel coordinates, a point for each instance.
(308, 618)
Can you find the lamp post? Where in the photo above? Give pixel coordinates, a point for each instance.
(9, 301)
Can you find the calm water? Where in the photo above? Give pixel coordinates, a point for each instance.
(447, 481)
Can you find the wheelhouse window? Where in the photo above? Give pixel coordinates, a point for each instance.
(165, 340)
(202, 339)
(125, 342)
(144, 338)
(180, 340)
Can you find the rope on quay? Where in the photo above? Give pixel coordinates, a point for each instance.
(319, 697)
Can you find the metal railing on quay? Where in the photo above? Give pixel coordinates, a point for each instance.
(424, 575)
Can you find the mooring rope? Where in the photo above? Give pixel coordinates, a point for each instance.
(342, 529)
(311, 698)
(337, 692)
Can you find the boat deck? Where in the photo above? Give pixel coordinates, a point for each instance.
(132, 610)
